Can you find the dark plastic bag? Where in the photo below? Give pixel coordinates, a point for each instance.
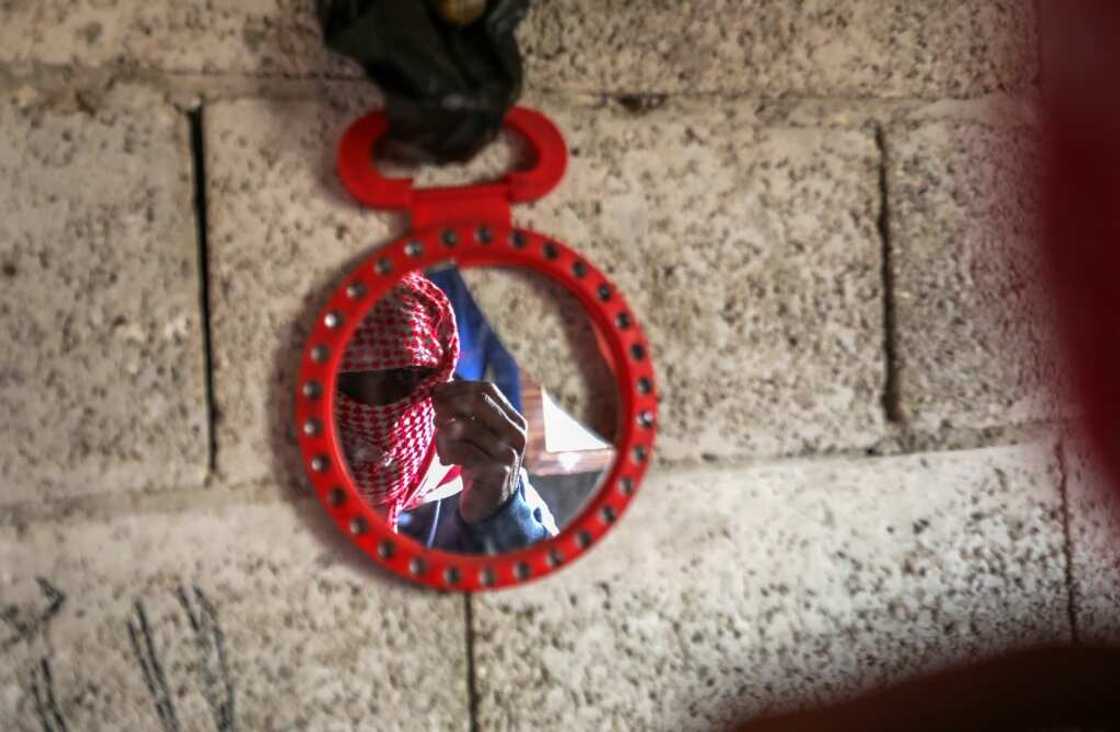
(447, 86)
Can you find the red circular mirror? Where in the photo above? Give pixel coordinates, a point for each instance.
(329, 462)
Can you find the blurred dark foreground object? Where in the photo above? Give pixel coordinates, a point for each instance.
(449, 69)
(1081, 207)
(1037, 689)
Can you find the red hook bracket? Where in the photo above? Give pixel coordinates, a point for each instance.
(488, 202)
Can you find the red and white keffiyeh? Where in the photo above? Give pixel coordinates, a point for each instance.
(390, 447)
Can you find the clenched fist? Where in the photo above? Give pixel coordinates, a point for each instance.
(478, 430)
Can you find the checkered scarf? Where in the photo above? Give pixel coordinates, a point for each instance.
(390, 447)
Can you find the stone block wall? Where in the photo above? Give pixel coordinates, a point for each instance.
(810, 206)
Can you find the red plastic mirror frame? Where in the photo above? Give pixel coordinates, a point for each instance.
(473, 244)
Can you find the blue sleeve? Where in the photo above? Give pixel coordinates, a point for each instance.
(522, 520)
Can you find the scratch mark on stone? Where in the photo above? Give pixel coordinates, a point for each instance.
(217, 683)
(25, 630)
(46, 706)
(144, 649)
(892, 391)
(1067, 544)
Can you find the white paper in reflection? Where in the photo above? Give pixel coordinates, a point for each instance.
(562, 433)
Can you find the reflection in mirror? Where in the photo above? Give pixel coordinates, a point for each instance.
(476, 409)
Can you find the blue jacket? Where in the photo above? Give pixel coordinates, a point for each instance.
(523, 520)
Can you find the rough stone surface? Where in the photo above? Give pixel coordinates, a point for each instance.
(751, 257)
(784, 585)
(865, 48)
(973, 330)
(1094, 518)
(242, 617)
(762, 47)
(283, 233)
(740, 217)
(102, 369)
(267, 37)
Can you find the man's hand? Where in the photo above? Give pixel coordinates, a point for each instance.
(478, 430)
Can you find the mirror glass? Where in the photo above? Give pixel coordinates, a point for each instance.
(476, 408)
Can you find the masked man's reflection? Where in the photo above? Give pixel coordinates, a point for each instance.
(441, 458)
